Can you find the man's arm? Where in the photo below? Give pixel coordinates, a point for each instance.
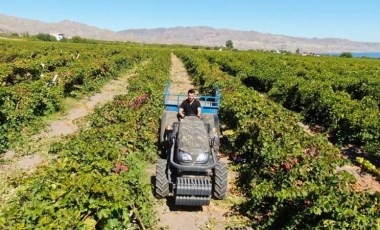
(199, 110)
(181, 113)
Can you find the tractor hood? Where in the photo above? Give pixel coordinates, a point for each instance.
(192, 137)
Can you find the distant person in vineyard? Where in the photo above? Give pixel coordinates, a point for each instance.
(190, 106)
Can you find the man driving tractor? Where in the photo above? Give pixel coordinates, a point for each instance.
(190, 106)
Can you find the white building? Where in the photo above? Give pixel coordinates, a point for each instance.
(58, 36)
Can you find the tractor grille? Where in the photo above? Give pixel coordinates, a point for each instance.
(193, 191)
(193, 186)
(192, 200)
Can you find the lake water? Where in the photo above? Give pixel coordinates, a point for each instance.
(369, 54)
(372, 55)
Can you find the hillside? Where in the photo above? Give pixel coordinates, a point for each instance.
(69, 28)
(244, 39)
(190, 36)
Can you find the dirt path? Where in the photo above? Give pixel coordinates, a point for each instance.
(174, 217)
(180, 79)
(65, 125)
(35, 153)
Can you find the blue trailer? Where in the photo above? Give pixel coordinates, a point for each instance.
(210, 104)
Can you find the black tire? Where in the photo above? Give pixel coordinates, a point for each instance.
(162, 126)
(220, 181)
(162, 182)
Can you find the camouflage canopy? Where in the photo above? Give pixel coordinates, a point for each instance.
(193, 137)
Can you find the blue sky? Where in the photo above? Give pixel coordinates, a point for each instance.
(355, 20)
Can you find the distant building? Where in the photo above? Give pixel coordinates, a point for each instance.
(59, 36)
(309, 54)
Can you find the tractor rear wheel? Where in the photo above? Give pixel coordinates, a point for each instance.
(220, 180)
(162, 182)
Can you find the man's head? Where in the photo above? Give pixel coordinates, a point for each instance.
(190, 94)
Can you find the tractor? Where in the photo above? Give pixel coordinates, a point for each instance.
(189, 167)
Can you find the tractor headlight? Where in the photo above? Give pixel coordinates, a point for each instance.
(202, 158)
(185, 157)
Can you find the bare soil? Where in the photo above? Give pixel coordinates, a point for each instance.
(364, 180)
(65, 125)
(310, 130)
(180, 79)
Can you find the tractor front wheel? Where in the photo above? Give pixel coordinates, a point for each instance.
(220, 180)
(162, 182)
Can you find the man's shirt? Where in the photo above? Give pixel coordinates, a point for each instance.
(190, 109)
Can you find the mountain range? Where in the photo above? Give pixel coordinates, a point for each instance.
(200, 35)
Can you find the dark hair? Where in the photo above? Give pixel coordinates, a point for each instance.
(191, 91)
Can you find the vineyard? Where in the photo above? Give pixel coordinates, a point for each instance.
(341, 96)
(291, 178)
